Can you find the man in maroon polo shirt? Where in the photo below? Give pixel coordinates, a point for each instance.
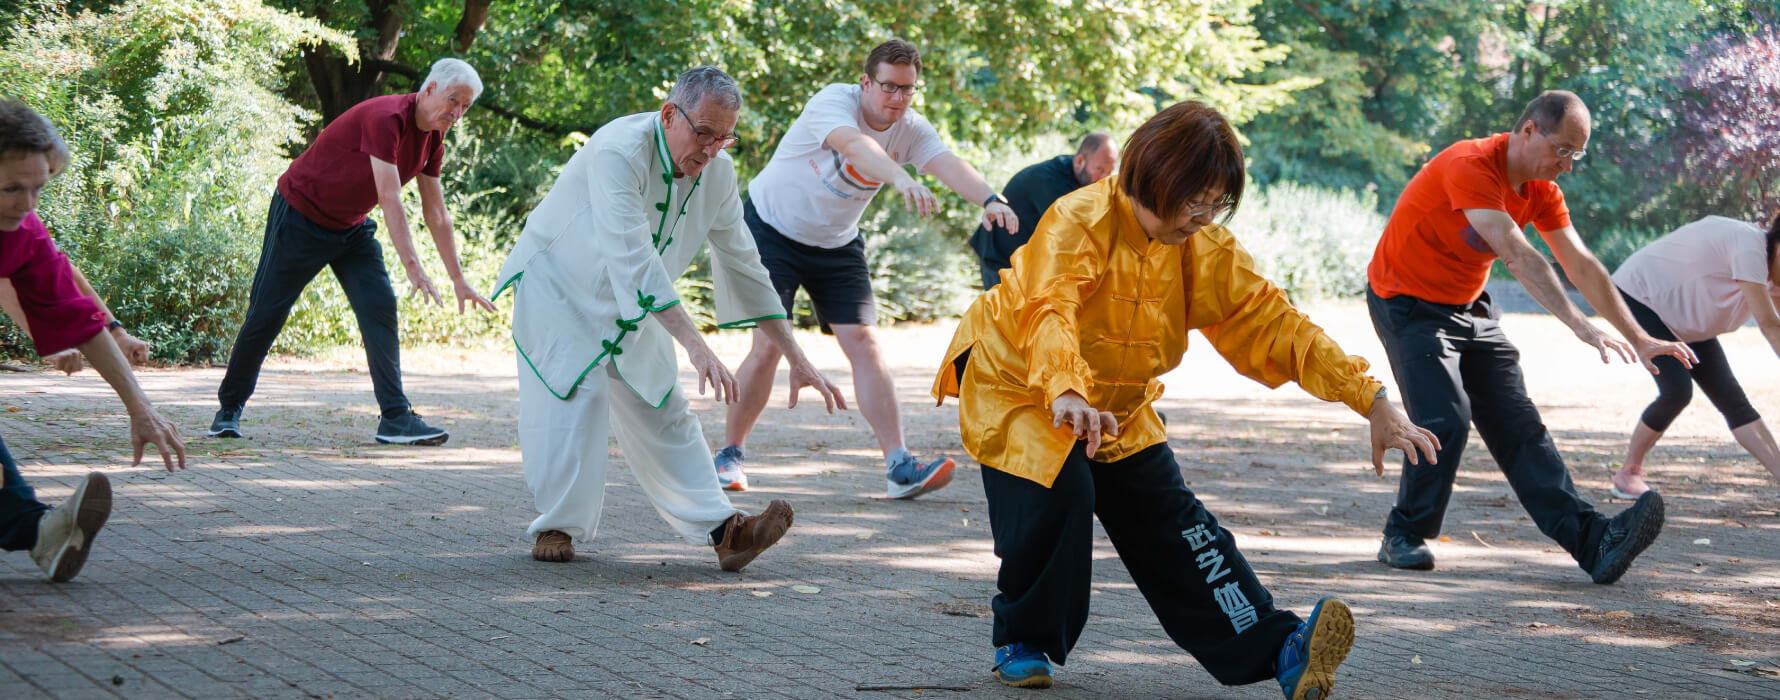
(318, 219)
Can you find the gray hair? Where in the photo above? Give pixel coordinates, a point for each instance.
(705, 83)
(23, 131)
(451, 72)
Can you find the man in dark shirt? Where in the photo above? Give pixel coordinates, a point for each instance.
(318, 219)
(1031, 192)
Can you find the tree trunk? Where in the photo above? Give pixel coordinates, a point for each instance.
(340, 85)
(475, 15)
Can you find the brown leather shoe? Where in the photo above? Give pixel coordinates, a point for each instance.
(554, 545)
(746, 536)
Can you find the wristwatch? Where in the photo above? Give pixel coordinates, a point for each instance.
(995, 198)
(114, 325)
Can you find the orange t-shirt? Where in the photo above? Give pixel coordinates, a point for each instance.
(1429, 249)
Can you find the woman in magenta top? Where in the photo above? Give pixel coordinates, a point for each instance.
(1703, 280)
(60, 317)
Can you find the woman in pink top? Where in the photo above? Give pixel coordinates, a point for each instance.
(1703, 280)
(60, 317)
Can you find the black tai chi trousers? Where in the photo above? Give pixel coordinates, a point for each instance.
(1187, 567)
(1455, 368)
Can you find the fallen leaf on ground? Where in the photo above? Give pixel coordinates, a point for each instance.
(1703, 540)
(1415, 659)
(866, 535)
(1740, 662)
(1444, 538)
(800, 588)
(1617, 613)
(763, 594)
(702, 641)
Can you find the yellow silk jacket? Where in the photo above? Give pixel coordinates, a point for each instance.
(1093, 305)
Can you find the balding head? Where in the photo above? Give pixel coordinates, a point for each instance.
(1095, 158)
(1551, 108)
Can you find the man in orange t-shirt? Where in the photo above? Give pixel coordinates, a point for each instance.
(1453, 364)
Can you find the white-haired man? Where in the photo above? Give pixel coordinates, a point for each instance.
(318, 219)
(595, 316)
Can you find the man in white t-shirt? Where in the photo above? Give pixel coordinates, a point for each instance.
(1701, 281)
(804, 210)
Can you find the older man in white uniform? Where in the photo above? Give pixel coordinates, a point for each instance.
(594, 302)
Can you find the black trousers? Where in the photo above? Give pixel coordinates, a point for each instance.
(294, 251)
(1455, 367)
(1674, 390)
(20, 510)
(991, 271)
(1188, 568)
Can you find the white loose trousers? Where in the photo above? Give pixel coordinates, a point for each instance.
(563, 445)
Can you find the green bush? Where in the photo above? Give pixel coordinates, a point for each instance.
(172, 113)
(322, 318)
(1311, 242)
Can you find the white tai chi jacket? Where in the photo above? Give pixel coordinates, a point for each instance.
(596, 255)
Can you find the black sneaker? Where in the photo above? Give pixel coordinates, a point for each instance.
(226, 424)
(1403, 553)
(1626, 537)
(409, 429)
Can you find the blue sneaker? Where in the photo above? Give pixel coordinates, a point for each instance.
(729, 469)
(1307, 661)
(910, 478)
(1021, 666)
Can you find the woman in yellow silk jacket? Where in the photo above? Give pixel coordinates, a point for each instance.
(1055, 370)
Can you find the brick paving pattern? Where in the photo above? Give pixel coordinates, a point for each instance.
(308, 561)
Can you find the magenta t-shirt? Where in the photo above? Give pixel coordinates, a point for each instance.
(331, 182)
(60, 316)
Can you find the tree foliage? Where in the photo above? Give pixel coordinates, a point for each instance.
(992, 71)
(1404, 78)
(172, 112)
(1728, 130)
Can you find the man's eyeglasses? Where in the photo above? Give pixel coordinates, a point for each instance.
(704, 136)
(1571, 153)
(890, 88)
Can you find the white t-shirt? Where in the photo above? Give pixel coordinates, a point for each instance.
(1689, 277)
(809, 192)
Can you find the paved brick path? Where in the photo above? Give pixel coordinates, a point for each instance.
(308, 561)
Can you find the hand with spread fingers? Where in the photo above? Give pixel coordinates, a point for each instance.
(805, 374)
(998, 214)
(1391, 430)
(1089, 423)
(1651, 348)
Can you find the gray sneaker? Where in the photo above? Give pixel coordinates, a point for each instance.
(65, 534)
(1626, 537)
(227, 423)
(409, 429)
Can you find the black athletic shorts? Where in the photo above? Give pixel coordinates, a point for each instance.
(837, 279)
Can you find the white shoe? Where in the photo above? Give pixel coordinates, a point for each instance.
(65, 534)
(1613, 490)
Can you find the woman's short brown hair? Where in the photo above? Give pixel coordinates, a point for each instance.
(1178, 154)
(896, 52)
(23, 131)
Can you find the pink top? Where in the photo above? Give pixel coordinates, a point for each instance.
(1689, 277)
(60, 316)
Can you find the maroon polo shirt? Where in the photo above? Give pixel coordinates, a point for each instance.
(331, 182)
